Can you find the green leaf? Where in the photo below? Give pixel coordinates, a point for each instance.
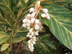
(44, 36)
(26, 1)
(60, 23)
(43, 47)
(16, 40)
(3, 36)
(2, 22)
(5, 6)
(5, 21)
(19, 37)
(4, 47)
(28, 4)
(3, 39)
(8, 19)
(59, 3)
(45, 39)
(60, 0)
(66, 0)
(50, 44)
(22, 30)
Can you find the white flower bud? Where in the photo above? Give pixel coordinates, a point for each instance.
(40, 23)
(24, 25)
(34, 38)
(31, 44)
(32, 20)
(29, 21)
(36, 21)
(41, 27)
(30, 30)
(30, 36)
(33, 14)
(28, 24)
(38, 2)
(36, 33)
(28, 27)
(45, 10)
(48, 17)
(24, 20)
(34, 42)
(32, 33)
(29, 41)
(28, 15)
(37, 27)
(31, 10)
(43, 15)
(31, 48)
(28, 33)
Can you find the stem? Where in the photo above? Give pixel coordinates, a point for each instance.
(11, 43)
(11, 39)
(32, 52)
(38, 12)
(33, 25)
(19, 46)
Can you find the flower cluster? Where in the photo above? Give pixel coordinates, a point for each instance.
(33, 24)
(45, 15)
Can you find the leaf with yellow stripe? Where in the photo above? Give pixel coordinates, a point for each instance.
(60, 23)
(3, 37)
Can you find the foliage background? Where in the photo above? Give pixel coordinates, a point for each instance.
(11, 20)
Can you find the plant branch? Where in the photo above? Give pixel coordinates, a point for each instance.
(19, 46)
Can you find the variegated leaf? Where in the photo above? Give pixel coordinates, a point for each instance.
(60, 23)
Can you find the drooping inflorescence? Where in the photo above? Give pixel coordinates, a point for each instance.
(33, 24)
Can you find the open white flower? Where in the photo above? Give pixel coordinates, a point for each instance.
(37, 5)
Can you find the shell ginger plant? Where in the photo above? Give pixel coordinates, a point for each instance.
(20, 19)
